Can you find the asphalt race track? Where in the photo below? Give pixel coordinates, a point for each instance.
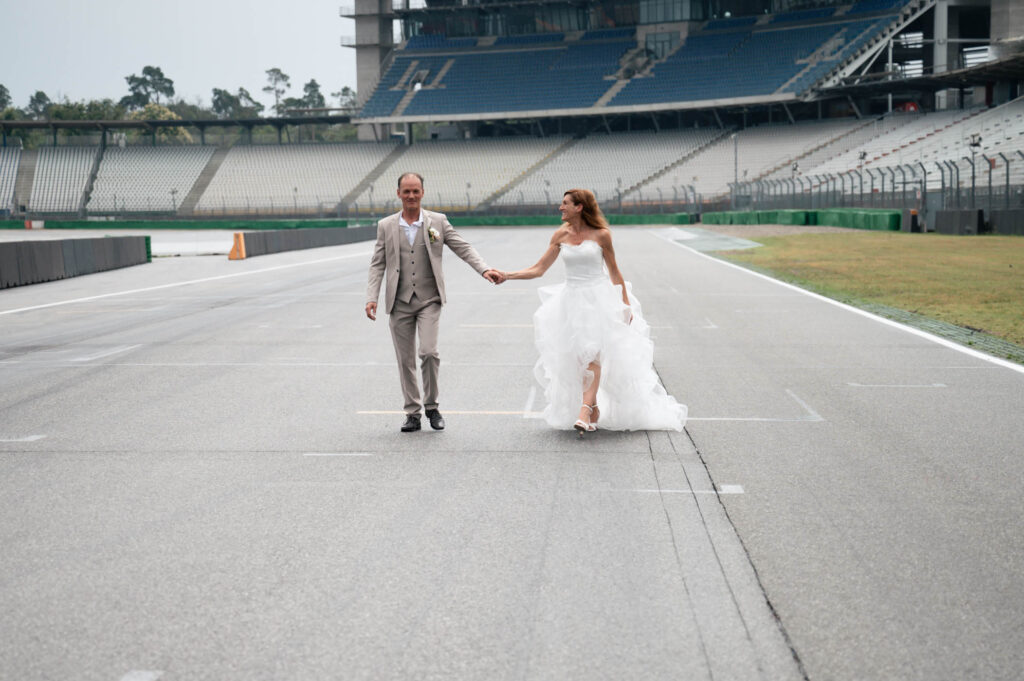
(202, 477)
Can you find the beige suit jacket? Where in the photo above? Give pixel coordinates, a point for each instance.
(384, 265)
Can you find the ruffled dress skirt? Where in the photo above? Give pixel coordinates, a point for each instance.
(585, 320)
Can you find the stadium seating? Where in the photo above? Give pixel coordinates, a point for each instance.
(140, 179)
(607, 165)
(289, 178)
(759, 149)
(9, 158)
(459, 173)
(60, 178)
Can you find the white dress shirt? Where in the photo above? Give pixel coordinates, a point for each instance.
(410, 230)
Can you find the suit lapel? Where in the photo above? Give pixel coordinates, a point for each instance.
(397, 234)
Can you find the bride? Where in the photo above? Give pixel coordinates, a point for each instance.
(596, 356)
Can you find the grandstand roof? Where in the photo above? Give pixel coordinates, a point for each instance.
(1006, 69)
(280, 121)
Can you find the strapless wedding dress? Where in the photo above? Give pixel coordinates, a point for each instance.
(583, 320)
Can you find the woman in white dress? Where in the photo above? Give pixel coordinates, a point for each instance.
(596, 356)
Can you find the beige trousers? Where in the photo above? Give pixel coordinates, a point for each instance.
(408, 319)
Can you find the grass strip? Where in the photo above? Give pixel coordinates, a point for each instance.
(975, 284)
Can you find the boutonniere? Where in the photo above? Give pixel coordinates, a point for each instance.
(434, 236)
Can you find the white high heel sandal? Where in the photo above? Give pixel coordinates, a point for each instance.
(582, 426)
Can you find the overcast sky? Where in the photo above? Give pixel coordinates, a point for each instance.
(84, 48)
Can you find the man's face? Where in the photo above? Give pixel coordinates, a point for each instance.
(410, 191)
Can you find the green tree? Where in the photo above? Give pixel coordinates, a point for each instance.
(158, 112)
(147, 88)
(103, 110)
(290, 103)
(346, 97)
(5, 97)
(312, 96)
(224, 103)
(38, 105)
(248, 107)
(279, 82)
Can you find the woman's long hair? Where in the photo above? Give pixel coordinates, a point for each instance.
(591, 214)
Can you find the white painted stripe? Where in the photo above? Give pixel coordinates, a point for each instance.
(496, 326)
(724, 489)
(524, 414)
(813, 415)
(864, 313)
(709, 325)
(140, 675)
(108, 353)
(27, 438)
(185, 283)
(528, 407)
(887, 385)
(337, 454)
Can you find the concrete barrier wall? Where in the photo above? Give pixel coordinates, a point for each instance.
(263, 243)
(151, 225)
(958, 221)
(1007, 221)
(33, 262)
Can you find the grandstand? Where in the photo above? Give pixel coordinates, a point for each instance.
(291, 179)
(146, 179)
(9, 158)
(503, 107)
(60, 179)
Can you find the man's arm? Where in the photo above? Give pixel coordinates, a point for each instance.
(464, 250)
(376, 274)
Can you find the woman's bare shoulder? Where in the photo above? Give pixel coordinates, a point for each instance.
(560, 235)
(603, 237)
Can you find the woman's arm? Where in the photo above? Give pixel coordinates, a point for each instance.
(604, 239)
(546, 260)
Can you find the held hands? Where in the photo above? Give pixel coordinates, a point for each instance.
(495, 277)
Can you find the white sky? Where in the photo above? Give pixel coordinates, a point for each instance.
(84, 48)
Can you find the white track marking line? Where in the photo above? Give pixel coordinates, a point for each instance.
(337, 454)
(141, 675)
(864, 313)
(710, 324)
(528, 407)
(184, 283)
(387, 412)
(27, 438)
(723, 489)
(812, 415)
(108, 353)
(889, 385)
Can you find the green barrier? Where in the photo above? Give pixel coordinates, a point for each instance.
(146, 225)
(554, 220)
(855, 218)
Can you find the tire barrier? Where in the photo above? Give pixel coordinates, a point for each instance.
(251, 244)
(34, 262)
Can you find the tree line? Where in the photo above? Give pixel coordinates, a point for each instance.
(151, 96)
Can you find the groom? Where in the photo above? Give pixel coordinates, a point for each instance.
(408, 250)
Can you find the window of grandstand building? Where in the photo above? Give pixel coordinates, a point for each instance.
(659, 44)
(663, 11)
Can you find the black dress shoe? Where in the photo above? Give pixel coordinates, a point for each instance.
(436, 420)
(412, 422)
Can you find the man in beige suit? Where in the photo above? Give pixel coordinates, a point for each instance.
(407, 258)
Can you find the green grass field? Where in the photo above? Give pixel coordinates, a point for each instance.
(973, 282)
